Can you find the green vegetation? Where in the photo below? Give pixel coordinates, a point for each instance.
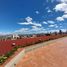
(6, 56)
(2, 59)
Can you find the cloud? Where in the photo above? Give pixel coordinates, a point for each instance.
(45, 22)
(64, 30)
(56, 26)
(61, 7)
(53, 25)
(24, 23)
(36, 24)
(51, 22)
(34, 29)
(54, 30)
(49, 11)
(64, 16)
(50, 1)
(29, 21)
(62, 1)
(22, 30)
(5, 33)
(60, 19)
(57, 30)
(37, 12)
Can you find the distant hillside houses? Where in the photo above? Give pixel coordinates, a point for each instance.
(20, 36)
(15, 36)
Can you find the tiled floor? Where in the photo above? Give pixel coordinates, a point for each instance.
(52, 55)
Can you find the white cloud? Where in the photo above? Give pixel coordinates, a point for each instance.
(50, 1)
(51, 22)
(54, 30)
(64, 16)
(60, 19)
(62, 1)
(38, 29)
(37, 12)
(5, 33)
(64, 30)
(45, 22)
(53, 25)
(56, 26)
(28, 19)
(61, 7)
(29, 22)
(36, 24)
(49, 11)
(24, 23)
(57, 30)
(34, 29)
(22, 30)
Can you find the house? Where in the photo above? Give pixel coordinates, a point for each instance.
(15, 36)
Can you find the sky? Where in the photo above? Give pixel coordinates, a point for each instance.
(32, 16)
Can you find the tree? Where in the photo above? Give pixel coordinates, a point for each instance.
(60, 32)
